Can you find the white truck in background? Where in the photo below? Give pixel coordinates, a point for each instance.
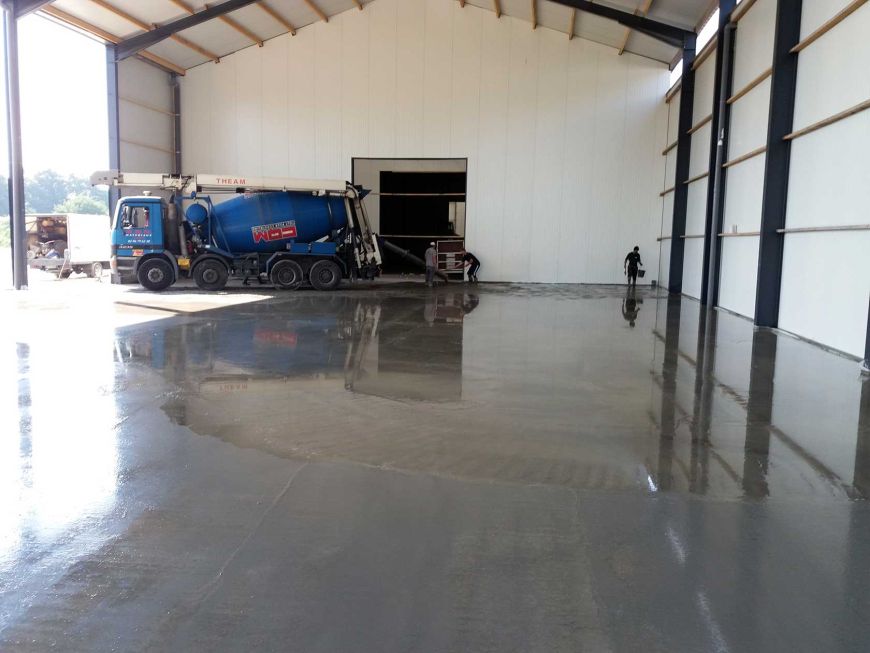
(63, 243)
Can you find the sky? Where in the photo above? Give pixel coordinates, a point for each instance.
(63, 100)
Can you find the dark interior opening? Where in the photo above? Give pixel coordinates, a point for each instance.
(415, 210)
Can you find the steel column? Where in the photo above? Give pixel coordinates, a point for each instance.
(718, 154)
(684, 151)
(114, 123)
(176, 123)
(867, 344)
(16, 165)
(776, 170)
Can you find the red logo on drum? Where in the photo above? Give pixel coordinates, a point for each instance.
(278, 231)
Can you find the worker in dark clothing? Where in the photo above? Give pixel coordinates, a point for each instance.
(632, 260)
(431, 264)
(473, 266)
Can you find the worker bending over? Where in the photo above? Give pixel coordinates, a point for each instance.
(473, 265)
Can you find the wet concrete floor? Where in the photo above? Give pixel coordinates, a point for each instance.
(488, 468)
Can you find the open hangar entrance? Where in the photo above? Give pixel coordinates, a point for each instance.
(413, 202)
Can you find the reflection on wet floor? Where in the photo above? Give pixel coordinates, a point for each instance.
(506, 468)
(545, 405)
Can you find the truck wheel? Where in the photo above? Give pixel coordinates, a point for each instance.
(96, 270)
(210, 275)
(325, 275)
(64, 274)
(155, 274)
(287, 275)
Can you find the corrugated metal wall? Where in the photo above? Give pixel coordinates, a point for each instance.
(562, 137)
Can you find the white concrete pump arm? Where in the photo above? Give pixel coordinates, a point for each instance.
(203, 183)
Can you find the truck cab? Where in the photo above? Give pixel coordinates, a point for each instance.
(140, 251)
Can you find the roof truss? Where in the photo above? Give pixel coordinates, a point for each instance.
(134, 44)
(670, 34)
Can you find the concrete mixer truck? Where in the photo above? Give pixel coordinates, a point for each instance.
(284, 231)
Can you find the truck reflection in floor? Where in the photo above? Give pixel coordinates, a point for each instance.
(236, 369)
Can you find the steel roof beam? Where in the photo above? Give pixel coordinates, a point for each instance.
(134, 44)
(24, 7)
(670, 34)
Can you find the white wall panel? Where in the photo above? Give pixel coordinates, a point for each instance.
(696, 211)
(838, 60)
(249, 72)
(609, 135)
(830, 175)
(520, 172)
(670, 169)
(486, 225)
(302, 135)
(549, 153)
(738, 275)
(749, 121)
(438, 78)
(383, 26)
(147, 159)
(696, 215)
(224, 117)
(577, 202)
(664, 262)
(667, 217)
(705, 79)
(753, 43)
(816, 12)
(354, 84)
(274, 134)
(410, 29)
(197, 134)
(465, 107)
(825, 288)
(699, 160)
(692, 264)
(562, 137)
(743, 195)
(145, 125)
(328, 91)
(674, 118)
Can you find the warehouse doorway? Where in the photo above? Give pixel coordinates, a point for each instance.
(413, 202)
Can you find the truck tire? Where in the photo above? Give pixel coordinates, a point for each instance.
(64, 274)
(287, 275)
(95, 270)
(325, 275)
(210, 274)
(155, 274)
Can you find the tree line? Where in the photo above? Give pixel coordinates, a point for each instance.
(50, 192)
